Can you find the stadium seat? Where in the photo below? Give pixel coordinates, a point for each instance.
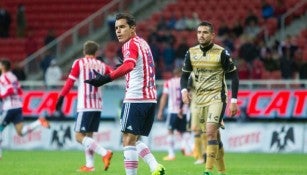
(304, 33)
(276, 75)
(271, 25)
(171, 7)
(156, 17)
(305, 54)
(43, 15)
(112, 46)
(301, 41)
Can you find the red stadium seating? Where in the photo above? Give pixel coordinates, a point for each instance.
(271, 25)
(305, 54)
(42, 15)
(10, 51)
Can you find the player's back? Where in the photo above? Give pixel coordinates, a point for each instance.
(89, 97)
(173, 89)
(10, 87)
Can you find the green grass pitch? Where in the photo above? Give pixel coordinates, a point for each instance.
(66, 163)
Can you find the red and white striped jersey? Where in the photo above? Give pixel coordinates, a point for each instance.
(140, 82)
(89, 97)
(172, 88)
(10, 91)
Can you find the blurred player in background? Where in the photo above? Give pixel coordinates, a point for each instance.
(200, 138)
(140, 100)
(89, 105)
(209, 63)
(177, 115)
(10, 95)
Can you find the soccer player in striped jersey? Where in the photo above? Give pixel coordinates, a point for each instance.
(140, 100)
(10, 94)
(89, 105)
(177, 115)
(209, 63)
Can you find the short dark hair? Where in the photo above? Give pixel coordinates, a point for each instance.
(6, 64)
(208, 24)
(129, 18)
(90, 47)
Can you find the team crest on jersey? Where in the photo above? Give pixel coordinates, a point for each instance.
(227, 53)
(195, 57)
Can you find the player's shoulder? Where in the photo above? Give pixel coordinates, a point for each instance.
(217, 47)
(172, 80)
(128, 44)
(194, 48)
(8, 77)
(77, 60)
(11, 75)
(134, 41)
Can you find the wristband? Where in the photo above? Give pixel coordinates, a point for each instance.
(184, 90)
(233, 100)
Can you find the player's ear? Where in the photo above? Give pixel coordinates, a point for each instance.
(213, 36)
(133, 28)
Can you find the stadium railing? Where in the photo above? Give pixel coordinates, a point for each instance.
(291, 11)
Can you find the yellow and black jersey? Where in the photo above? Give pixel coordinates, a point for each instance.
(208, 66)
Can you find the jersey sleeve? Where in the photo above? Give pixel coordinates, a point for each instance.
(73, 76)
(130, 51)
(227, 63)
(187, 66)
(166, 87)
(75, 70)
(230, 68)
(130, 56)
(108, 69)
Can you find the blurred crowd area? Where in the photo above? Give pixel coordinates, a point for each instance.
(242, 31)
(241, 27)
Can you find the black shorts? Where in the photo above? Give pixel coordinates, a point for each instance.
(137, 118)
(176, 123)
(87, 121)
(11, 115)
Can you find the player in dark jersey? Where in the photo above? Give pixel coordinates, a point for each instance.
(209, 63)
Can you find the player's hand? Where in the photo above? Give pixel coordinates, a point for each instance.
(59, 103)
(185, 97)
(99, 80)
(233, 109)
(180, 113)
(160, 115)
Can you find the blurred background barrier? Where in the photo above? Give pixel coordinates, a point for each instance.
(266, 137)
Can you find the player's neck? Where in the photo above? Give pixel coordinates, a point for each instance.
(205, 48)
(90, 56)
(133, 35)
